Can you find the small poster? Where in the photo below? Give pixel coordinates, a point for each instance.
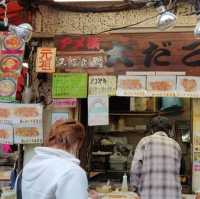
(134, 86)
(98, 110)
(70, 103)
(59, 116)
(6, 134)
(46, 60)
(11, 59)
(26, 122)
(188, 86)
(69, 85)
(161, 86)
(102, 85)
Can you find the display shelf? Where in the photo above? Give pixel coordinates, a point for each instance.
(122, 131)
(142, 114)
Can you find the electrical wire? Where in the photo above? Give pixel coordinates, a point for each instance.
(131, 25)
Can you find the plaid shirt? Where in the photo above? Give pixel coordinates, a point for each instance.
(156, 167)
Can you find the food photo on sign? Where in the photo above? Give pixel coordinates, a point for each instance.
(188, 86)
(161, 85)
(128, 85)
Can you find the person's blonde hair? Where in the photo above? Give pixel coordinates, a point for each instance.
(64, 134)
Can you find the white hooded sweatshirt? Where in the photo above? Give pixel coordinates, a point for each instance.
(54, 174)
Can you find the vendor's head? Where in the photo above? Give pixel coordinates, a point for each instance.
(160, 123)
(66, 135)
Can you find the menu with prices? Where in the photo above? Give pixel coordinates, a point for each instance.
(25, 120)
(69, 85)
(161, 86)
(188, 86)
(131, 86)
(6, 134)
(102, 85)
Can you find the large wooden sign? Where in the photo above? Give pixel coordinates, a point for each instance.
(139, 52)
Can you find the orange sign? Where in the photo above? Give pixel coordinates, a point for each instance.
(45, 62)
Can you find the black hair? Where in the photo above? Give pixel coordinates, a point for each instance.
(160, 123)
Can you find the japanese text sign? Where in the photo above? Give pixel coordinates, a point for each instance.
(45, 61)
(69, 85)
(102, 85)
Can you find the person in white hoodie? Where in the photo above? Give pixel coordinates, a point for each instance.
(54, 171)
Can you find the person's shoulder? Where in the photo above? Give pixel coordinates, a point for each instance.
(174, 143)
(145, 140)
(75, 172)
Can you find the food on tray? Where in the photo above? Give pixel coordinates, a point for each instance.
(26, 112)
(10, 63)
(7, 87)
(4, 113)
(130, 84)
(189, 84)
(3, 134)
(161, 85)
(104, 189)
(12, 42)
(27, 132)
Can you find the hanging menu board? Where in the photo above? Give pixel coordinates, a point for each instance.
(69, 85)
(131, 86)
(102, 85)
(11, 58)
(25, 120)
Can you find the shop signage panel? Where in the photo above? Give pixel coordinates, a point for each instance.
(25, 121)
(69, 85)
(79, 59)
(161, 86)
(102, 85)
(167, 51)
(188, 86)
(45, 60)
(131, 86)
(98, 110)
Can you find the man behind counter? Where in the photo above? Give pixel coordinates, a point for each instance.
(156, 163)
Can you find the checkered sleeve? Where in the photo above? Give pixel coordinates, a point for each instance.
(136, 167)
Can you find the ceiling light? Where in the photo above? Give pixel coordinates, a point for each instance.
(24, 31)
(197, 9)
(166, 19)
(197, 28)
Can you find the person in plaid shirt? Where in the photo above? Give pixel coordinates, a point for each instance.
(155, 167)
